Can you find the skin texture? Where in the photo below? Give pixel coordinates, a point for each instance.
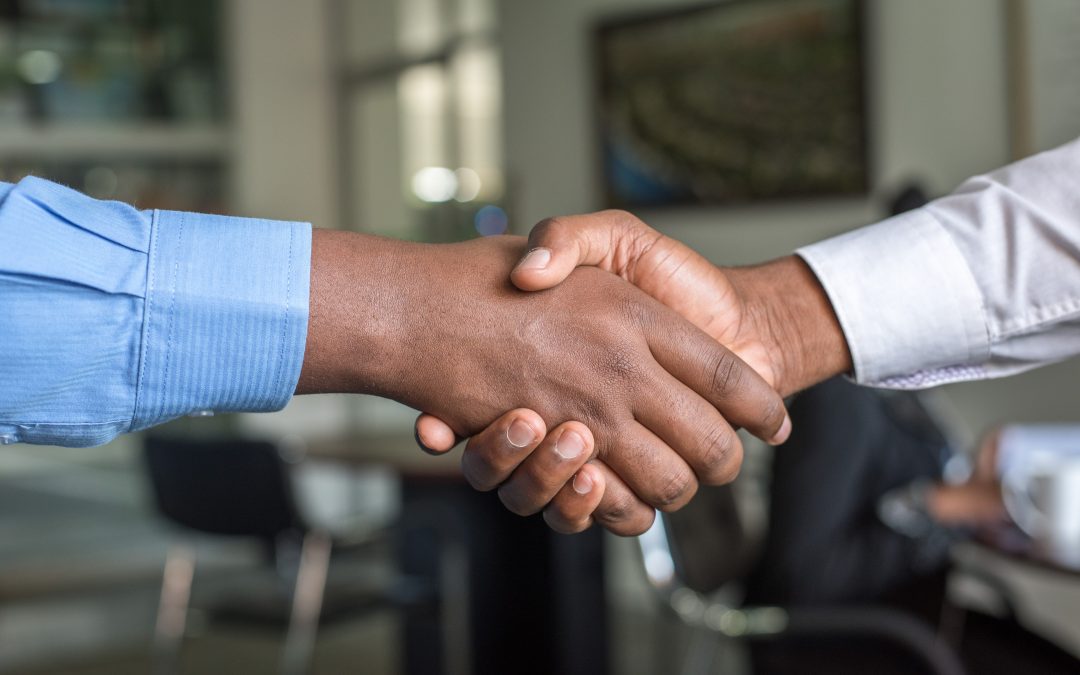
(651, 397)
(776, 317)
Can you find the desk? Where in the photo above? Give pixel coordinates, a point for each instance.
(1001, 577)
(1009, 542)
(534, 599)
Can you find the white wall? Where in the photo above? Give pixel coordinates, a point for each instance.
(281, 97)
(938, 111)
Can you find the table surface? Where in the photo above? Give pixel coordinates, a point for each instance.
(397, 450)
(1010, 542)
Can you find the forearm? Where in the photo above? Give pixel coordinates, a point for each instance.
(793, 315)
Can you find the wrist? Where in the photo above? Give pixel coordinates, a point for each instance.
(792, 315)
(357, 313)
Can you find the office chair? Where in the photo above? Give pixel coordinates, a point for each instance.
(675, 571)
(241, 488)
(691, 558)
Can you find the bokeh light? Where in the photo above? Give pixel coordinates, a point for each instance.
(491, 220)
(468, 184)
(39, 66)
(435, 184)
(101, 182)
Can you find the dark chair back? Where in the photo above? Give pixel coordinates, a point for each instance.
(228, 487)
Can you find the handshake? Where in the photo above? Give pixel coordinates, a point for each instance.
(600, 369)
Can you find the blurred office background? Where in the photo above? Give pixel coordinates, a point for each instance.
(442, 120)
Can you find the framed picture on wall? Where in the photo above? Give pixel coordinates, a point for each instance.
(732, 102)
(1044, 73)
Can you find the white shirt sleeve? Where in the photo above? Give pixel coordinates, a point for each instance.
(982, 283)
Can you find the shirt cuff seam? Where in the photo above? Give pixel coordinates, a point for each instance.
(288, 301)
(148, 314)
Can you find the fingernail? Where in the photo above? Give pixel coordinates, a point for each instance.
(783, 433)
(569, 445)
(582, 483)
(520, 434)
(536, 259)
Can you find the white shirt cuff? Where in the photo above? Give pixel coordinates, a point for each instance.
(905, 298)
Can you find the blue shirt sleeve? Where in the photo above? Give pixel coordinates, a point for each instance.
(114, 319)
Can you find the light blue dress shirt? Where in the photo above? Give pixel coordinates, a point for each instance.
(114, 319)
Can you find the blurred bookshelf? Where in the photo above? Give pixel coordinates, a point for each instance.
(122, 99)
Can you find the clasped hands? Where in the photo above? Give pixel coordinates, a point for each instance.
(622, 397)
(561, 471)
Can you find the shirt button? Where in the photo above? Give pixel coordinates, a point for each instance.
(8, 439)
(202, 413)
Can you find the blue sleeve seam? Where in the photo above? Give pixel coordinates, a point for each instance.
(25, 423)
(172, 306)
(148, 313)
(288, 299)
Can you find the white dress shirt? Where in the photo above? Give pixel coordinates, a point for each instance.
(982, 283)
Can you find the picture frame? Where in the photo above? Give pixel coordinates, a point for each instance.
(1043, 54)
(732, 102)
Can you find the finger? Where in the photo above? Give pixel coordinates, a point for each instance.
(693, 428)
(651, 469)
(620, 511)
(720, 377)
(571, 509)
(607, 239)
(434, 436)
(547, 469)
(493, 454)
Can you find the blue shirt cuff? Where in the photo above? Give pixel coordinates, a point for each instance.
(225, 318)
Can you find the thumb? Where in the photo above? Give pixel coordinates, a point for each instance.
(558, 245)
(433, 435)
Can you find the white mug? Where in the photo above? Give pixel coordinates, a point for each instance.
(1026, 448)
(1040, 478)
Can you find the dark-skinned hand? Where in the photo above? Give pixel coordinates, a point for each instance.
(775, 317)
(620, 379)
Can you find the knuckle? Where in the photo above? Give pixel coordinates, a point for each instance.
(562, 523)
(638, 526)
(546, 479)
(623, 219)
(515, 502)
(479, 471)
(629, 307)
(623, 362)
(677, 489)
(617, 511)
(548, 227)
(773, 413)
(721, 457)
(595, 414)
(727, 375)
